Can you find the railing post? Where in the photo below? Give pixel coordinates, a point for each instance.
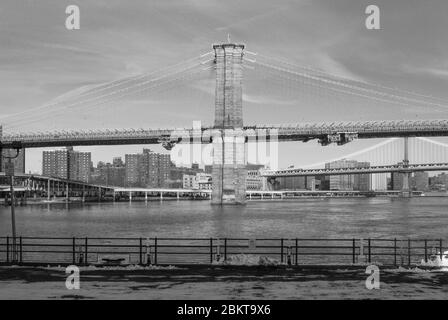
(7, 249)
(409, 252)
(141, 252)
(86, 251)
(353, 251)
(395, 251)
(74, 250)
(21, 249)
(155, 251)
(281, 250)
(426, 251)
(211, 250)
(297, 252)
(441, 250)
(369, 251)
(225, 249)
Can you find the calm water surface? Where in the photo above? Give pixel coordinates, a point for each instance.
(314, 218)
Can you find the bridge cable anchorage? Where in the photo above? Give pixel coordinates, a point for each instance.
(380, 96)
(350, 80)
(189, 69)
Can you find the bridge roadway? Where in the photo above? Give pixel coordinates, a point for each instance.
(340, 132)
(361, 170)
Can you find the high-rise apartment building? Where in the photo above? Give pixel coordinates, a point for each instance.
(67, 164)
(55, 164)
(358, 182)
(362, 182)
(132, 174)
(148, 169)
(79, 165)
(110, 174)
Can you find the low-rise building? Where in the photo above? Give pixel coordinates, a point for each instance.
(199, 181)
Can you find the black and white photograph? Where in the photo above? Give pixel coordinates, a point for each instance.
(241, 152)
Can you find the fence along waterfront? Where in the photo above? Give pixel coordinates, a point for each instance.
(186, 251)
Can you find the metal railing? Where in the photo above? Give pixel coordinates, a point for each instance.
(185, 251)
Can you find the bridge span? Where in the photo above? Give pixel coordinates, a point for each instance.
(360, 170)
(326, 133)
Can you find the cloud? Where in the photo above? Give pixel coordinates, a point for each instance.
(427, 71)
(266, 100)
(331, 66)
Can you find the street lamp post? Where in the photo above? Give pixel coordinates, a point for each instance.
(9, 171)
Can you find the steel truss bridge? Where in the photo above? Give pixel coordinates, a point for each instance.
(339, 133)
(360, 170)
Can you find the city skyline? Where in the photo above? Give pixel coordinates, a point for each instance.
(142, 170)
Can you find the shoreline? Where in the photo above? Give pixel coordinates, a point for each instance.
(33, 201)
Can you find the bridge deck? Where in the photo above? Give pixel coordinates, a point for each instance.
(362, 170)
(291, 132)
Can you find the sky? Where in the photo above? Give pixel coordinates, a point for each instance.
(41, 60)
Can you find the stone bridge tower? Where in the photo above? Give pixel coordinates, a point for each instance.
(229, 166)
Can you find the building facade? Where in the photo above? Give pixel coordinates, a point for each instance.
(55, 164)
(199, 181)
(148, 169)
(348, 182)
(67, 164)
(132, 175)
(420, 181)
(110, 174)
(254, 181)
(176, 176)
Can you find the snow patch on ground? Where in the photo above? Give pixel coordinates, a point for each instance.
(248, 260)
(108, 268)
(416, 270)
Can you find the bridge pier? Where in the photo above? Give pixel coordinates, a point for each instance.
(406, 191)
(229, 167)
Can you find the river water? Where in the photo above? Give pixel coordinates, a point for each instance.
(418, 218)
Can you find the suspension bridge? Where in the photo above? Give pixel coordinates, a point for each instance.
(229, 135)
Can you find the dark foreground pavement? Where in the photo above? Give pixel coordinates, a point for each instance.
(223, 282)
